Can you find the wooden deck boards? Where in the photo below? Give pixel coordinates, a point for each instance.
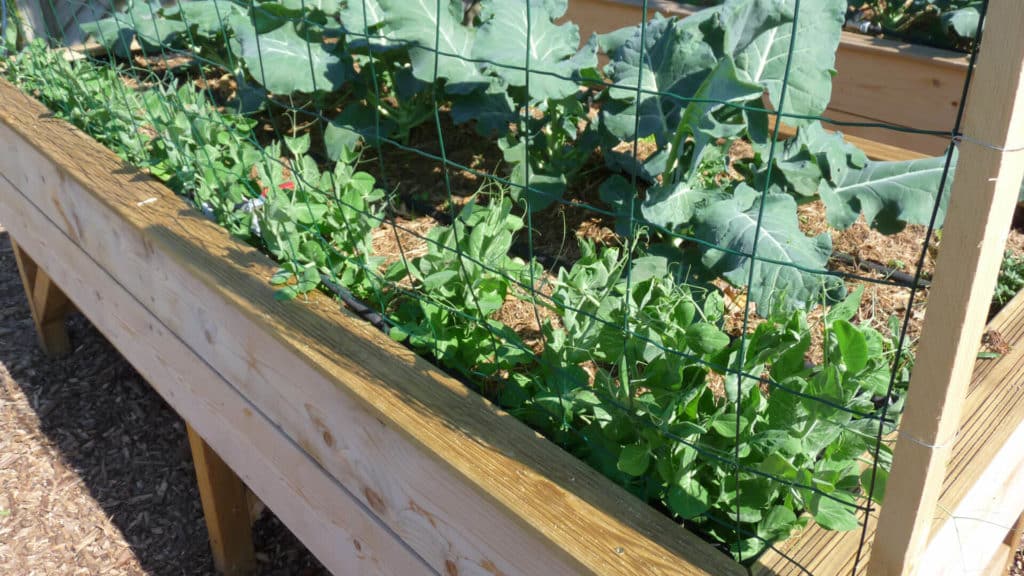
(993, 413)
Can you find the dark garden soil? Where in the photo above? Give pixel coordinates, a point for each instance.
(96, 475)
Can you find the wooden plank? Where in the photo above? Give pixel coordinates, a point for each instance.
(878, 80)
(886, 143)
(225, 507)
(1010, 546)
(343, 534)
(462, 483)
(981, 207)
(48, 305)
(971, 535)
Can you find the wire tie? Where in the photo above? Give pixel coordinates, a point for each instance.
(938, 446)
(965, 138)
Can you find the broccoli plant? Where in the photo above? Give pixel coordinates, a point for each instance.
(702, 86)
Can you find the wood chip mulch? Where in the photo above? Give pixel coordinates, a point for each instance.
(96, 475)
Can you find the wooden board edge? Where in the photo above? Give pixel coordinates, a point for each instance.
(774, 562)
(973, 532)
(982, 202)
(344, 535)
(512, 498)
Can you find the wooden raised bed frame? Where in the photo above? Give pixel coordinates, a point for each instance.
(878, 80)
(382, 464)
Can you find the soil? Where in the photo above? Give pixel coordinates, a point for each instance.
(96, 474)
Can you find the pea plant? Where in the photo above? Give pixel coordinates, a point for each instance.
(741, 435)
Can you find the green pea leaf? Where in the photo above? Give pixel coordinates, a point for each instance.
(833, 515)
(725, 425)
(634, 459)
(846, 309)
(779, 522)
(881, 480)
(688, 498)
(852, 345)
(706, 338)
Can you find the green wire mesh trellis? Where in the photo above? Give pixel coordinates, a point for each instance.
(425, 161)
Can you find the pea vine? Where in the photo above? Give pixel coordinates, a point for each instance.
(636, 373)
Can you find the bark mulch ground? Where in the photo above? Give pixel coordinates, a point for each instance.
(96, 475)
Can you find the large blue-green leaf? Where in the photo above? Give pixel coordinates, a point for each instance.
(284, 62)
(719, 90)
(673, 205)
(209, 17)
(359, 15)
(510, 40)
(435, 37)
(814, 154)
(675, 61)
(492, 109)
(744, 21)
(889, 194)
(818, 28)
(363, 20)
(329, 7)
(964, 21)
(143, 21)
(732, 224)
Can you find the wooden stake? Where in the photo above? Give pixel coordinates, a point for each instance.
(1012, 543)
(1002, 563)
(226, 508)
(984, 195)
(48, 305)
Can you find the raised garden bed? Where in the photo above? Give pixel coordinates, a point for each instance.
(878, 81)
(147, 232)
(379, 462)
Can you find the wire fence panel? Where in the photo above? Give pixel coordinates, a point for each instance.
(628, 257)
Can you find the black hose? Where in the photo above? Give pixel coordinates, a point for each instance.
(890, 273)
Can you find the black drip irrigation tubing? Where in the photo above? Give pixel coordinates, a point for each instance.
(907, 280)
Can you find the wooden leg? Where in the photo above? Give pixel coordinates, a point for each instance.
(1013, 543)
(226, 507)
(49, 306)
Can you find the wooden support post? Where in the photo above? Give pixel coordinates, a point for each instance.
(1002, 560)
(984, 195)
(226, 508)
(48, 305)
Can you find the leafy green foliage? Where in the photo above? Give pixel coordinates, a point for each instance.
(816, 38)
(502, 42)
(283, 61)
(732, 224)
(1011, 279)
(635, 370)
(943, 23)
(702, 85)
